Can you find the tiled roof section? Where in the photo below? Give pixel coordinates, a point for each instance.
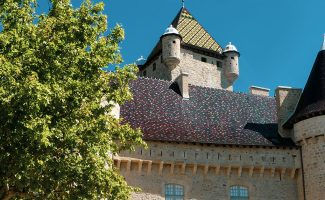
(312, 100)
(193, 33)
(209, 116)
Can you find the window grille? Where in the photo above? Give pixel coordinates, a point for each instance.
(174, 192)
(238, 193)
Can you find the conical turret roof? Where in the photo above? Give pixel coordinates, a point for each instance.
(312, 100)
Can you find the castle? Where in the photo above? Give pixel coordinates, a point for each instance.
(207, 142)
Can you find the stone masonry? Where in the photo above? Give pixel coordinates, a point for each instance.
(206, 74)
(207, 171)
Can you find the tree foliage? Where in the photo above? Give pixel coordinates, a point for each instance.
(56, 137)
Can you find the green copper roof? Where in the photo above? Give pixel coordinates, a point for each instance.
(193, 33)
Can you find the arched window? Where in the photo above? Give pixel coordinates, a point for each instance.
(238, 193)
(174, 192)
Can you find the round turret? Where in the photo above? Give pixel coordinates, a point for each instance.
(308, 121)
(231, 62)
(171, 47)
(140, 61)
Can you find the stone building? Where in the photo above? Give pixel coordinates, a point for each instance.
(207, 142)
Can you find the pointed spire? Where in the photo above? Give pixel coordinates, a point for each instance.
(183, 3)
(312, 100)
(323, 46)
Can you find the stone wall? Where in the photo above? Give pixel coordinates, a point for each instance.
(310, 135)
(286, 100)
(206, 74)
(208, 172)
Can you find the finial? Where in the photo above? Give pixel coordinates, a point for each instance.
(323, 47)
(183, 3)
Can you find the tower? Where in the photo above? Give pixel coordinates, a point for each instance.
(231, 62)
(171, 47)
(309, 130)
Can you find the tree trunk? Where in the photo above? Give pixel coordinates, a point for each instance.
(8, 195)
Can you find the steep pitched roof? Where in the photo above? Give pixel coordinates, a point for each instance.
(312, 100)
(193, 35)
(209, 116)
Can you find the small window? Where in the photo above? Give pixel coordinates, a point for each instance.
(203, 59)
(144, 73)
(238, 193)
(174, 192)
(232, 58)
(174, 41)
(219, 64)
(154, 67)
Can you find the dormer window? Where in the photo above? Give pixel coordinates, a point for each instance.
(203, 59)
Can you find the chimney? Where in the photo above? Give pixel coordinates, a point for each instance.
(259, 91)
(286, 101)
(182, 81)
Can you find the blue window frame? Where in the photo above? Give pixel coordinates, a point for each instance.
(174, 192)
(238, 192)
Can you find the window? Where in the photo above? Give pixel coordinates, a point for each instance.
(238, 193)
(154, 67)
(232, 58)
(219, 64)
(174, 192)
(203, 59)
(144, 73)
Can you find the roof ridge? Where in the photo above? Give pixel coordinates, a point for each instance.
(154, 78)
(210, 88)
(234, 92)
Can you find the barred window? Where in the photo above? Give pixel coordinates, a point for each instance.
(238, 193)
(174, 192)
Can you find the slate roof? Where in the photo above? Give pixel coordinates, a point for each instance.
(312, 100)
(193, 35)
(209, 116)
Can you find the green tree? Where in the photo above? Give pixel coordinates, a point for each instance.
(56, 136)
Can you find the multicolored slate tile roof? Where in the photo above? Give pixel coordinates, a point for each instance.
(209, 116)
(193, 33)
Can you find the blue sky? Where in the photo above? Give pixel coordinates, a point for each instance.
(278, 39)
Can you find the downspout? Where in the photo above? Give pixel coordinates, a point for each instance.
(303, 172)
